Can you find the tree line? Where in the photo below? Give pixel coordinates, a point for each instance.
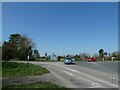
(21, 46)
(100, 55)
(18, 47)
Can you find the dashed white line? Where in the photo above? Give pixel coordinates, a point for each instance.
(69, 73)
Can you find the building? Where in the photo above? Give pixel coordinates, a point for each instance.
(53, 57)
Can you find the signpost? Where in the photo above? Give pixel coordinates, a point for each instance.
(36, 54)
(28, 58)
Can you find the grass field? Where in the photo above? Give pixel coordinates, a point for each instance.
(34, 85)
(14, 69)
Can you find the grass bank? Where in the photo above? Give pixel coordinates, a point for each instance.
(34, 85)
(15, 69)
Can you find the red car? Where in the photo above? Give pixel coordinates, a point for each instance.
(91, 59)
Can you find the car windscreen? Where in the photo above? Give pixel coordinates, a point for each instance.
(69, 59)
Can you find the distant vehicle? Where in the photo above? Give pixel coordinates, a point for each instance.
(91, 59)
(68, 60)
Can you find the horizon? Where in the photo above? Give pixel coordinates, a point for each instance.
(64, 28)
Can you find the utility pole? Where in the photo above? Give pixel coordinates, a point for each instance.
(29, 49)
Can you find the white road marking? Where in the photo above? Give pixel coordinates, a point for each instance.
(94, 84)
(73, 70)
(48, 66)
(93, 77)
(69, 73)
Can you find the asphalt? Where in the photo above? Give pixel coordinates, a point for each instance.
(108, 67)
(84, 74)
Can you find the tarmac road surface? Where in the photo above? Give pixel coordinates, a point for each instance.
(84, 74)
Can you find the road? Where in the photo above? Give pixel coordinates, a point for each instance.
(84, 74)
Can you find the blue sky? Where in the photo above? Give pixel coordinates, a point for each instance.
(64, 28)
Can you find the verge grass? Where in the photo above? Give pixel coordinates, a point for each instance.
(34, 85)
(15, 69)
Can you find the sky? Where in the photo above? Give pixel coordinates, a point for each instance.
(64, 27)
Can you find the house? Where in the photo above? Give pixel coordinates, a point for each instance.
(53, 57)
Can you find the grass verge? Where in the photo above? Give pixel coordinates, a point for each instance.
(15, 69)
(34, 85)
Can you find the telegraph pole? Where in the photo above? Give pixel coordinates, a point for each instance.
(29, 49)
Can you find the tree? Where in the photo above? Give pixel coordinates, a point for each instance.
(101, 54)
(17, 47)
(61, 58)
(77, 57)
(84, 56)
(7, 51)
(25, 47)
(114, 54)
(45, 54)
